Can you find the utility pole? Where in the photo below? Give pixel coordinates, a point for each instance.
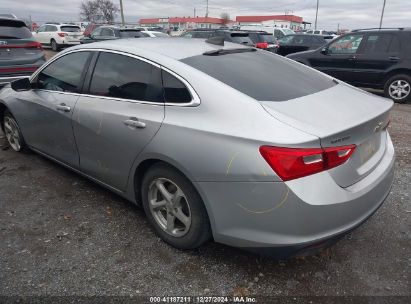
(207, 10)
(194, 12)
(316, 15)
(382, 13)
(122, 12)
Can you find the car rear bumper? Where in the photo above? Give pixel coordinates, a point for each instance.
(287, 218)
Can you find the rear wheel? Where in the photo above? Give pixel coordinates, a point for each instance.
(54, 45)
(174, 208)
(398, 88)
(12, 132)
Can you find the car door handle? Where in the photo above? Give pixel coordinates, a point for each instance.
(63, 107)
(134, 123)
(394, 58)
(352, 58)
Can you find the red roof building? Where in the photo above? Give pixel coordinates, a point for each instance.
(259, 19)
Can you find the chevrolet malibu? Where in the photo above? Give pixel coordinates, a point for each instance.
(214, 141)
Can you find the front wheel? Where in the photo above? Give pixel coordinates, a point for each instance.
(174, 208)
(398, 88)
(12, 132)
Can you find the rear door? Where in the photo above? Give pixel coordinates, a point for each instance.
(339, 57)
(380, 52)
(45, 112)
(122, 112)
(51, 30)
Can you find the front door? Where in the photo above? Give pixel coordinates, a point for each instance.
(45, 112)
(339, 58)
(122, 112)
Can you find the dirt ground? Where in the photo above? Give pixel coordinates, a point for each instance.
(61, 234)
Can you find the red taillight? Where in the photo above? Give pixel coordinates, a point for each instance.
(28, 45)
(292, 163)
(62, 34)
(262, 45)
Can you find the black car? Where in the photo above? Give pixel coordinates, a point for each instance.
(20, 54)
(299, 43)
(229, 36)
(372, 58)
(103, 33)
(263, 40)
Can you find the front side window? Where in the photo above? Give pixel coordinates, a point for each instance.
(64, 74)
(125, 77)
(174, 90)
(346, 45)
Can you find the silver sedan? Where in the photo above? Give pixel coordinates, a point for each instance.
(213, 141)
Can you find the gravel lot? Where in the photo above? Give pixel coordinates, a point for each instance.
(61, 234)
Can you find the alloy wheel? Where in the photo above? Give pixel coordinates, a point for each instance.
(169, 207)
(399, 89)
(12, 133)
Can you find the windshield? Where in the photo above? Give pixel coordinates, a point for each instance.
(262, 75)
(286, 39)
(70, 29)
(288, 31)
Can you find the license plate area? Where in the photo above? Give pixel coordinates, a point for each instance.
(368, 148)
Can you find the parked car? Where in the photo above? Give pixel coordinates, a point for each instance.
(378, 59)
(298, 43)
(20, 54)
(112, 32)
(239, 37)
(278, 32)
(8, 16)
(275, 164)
(263, 40)
(58, 35)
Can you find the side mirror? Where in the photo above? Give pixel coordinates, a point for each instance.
(324, 51)
(22, 84)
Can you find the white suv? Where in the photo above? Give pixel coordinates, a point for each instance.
(57, 35)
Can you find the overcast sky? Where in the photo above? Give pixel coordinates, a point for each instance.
(349, 13)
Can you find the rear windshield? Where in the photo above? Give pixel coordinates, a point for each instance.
(70, 29)
(131, 34)
(14, 29)
(262, 75)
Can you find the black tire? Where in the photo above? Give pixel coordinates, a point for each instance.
(199, 231)
(54, 46)
(8, 117)
(402, 78)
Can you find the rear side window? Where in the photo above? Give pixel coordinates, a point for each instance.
(70, 29)
(51, 28)
(131, 34)
(125, 77)
(174, 90)
(378, 43)
(262, 75)
(64, 74)
(14, 29)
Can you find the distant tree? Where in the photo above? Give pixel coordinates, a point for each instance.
(88, 9)
(105, 9)
(108, 9)
(225, 17)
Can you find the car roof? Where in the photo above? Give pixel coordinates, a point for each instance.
(160, 48)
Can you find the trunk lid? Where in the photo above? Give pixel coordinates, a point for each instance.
(340, 116)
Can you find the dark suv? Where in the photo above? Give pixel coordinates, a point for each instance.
(111, 32)
(20, 54)
(371, 58)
